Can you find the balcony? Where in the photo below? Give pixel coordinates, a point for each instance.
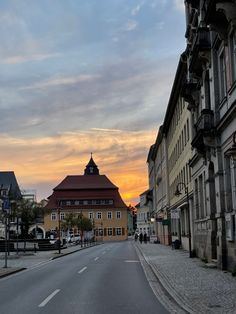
(204, 131)
(190, 92)
(200, 50)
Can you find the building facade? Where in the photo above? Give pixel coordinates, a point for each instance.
(95, 197)
(159, 212)
(200, 132)
(211, 92)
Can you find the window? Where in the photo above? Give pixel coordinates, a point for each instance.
(62, 216)
(118, 231)
(53, 216)
(99, 215)
(100, 231)
(222, 74)
(109, 215)
(118, 215)
(109, 231)
(187, 130)
(90, 215)
(233, 55)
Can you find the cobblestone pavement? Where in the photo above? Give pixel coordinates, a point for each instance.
(22, 261)
(195, 287)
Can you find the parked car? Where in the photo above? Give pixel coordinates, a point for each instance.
(73, 238)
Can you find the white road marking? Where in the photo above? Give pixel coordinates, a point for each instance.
(83, 269)
(131, 261)
(96, 258)
(49, 298)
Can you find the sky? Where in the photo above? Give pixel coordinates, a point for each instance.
(82, 76)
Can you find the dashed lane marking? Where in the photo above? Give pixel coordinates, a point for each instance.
(96, 258)
(49, 298)
(132, 261)
(83, 269)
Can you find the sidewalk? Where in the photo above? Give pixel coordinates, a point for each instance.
(193, 286)
(16, 263)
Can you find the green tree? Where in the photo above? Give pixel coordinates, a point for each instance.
(83, 224)
(69, 221)
(27, 212)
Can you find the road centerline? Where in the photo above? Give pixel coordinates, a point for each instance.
(83, 269)
(42, 304)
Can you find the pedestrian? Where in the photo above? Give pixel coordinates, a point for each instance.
(136, 237)
(141, 237)
(145, 238)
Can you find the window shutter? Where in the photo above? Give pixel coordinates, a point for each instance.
(105, 231)
(123, 231)
(114, 231)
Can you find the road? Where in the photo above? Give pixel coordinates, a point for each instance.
(104, 279)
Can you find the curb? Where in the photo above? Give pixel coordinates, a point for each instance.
(11, 272)
(68, 253)
(167, 286)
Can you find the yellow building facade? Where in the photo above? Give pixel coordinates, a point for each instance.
(96, 198)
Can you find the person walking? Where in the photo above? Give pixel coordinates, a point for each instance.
(141, 237)
(136, 237)
(145, 237)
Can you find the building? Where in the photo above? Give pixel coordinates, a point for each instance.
(200, 133)
(9, 194)
(211, 92)
(143, 214)
(94, 196)
(158, 183)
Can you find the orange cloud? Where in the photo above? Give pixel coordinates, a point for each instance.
(121, 155)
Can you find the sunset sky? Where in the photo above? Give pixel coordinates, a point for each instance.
(81, 76)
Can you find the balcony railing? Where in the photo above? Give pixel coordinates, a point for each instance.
(205, 121)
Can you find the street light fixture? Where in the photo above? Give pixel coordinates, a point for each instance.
(178, 193)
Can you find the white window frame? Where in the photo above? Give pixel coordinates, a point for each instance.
(99, 215)
(118, 215)
(53, 216)
(62, 216)
(118, 231)
(90, 215)
(109, 215)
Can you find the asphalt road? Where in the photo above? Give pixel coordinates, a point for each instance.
(101, 280)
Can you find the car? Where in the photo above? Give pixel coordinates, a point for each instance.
(73, 238)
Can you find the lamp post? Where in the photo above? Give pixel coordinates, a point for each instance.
(59, 229)
(178, 193)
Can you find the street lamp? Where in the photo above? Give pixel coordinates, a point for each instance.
(59, 229)
(178, 193)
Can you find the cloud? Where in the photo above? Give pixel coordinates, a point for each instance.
(27, 58)
(130, 26)
(58, 81)
(121, 155)
(179, 5)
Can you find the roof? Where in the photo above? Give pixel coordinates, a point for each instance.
(82, 182)
(8, 181)
(83, 187)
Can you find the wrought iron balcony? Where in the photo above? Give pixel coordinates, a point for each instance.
(204, 131)
(200, 50)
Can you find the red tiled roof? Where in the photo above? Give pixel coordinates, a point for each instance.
(85, 182)
(83, 187)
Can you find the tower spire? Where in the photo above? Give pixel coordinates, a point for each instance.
(91, 168)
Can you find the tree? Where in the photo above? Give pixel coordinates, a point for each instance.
(27, 212)
(83, 224)
(69, 221)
